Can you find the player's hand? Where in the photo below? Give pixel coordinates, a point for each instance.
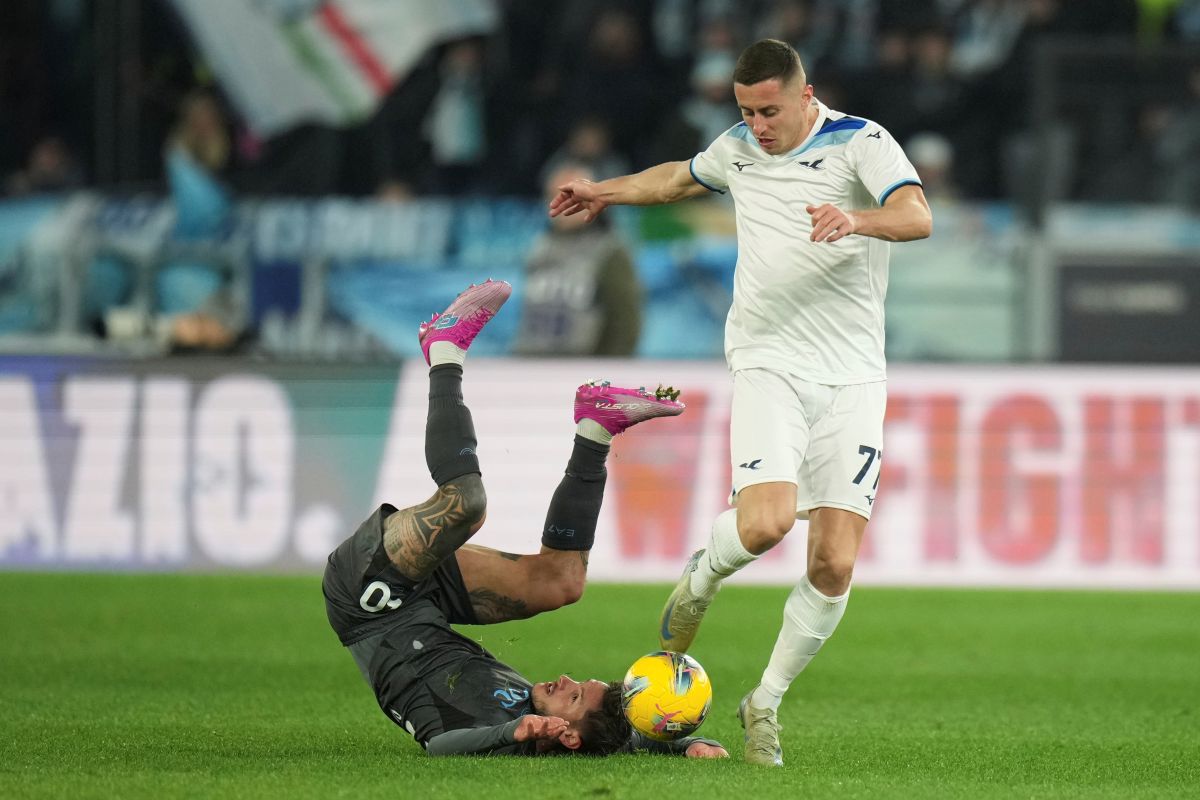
(534, 727)
(575, 196)
(829, 223)
(703, 750)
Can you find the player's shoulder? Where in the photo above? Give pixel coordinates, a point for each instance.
(851, 128)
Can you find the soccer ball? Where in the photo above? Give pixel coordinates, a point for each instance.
(666, 695)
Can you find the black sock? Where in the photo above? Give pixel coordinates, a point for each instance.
(449, 432)
(575, 507)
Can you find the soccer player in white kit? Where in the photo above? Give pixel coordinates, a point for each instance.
(818, 196)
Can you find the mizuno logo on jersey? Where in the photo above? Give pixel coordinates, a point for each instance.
(811, 164)
(874, 135)
(742, 166)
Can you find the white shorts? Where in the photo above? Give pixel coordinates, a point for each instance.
(828, 440)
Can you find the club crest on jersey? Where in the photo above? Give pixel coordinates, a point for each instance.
(811, 164)
(511, 697)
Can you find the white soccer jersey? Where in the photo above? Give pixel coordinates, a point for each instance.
(812, 309)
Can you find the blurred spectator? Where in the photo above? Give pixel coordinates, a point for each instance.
(705, 114)
(1177, 149)
(1136, 174)
(1184, 22)
(711, 109)
(196, 154)
(984, 34)
(454, 124)
(589, 144)
(52, 167)
(615, 79)
(933, 157)
(810, 27)
(581, 296)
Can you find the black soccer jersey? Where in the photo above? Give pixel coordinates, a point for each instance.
(444, 688)
(430, 679)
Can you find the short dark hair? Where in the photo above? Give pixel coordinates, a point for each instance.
(767, 59)
(606, 730)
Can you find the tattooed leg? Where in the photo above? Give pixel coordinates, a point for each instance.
(418, 538)
(506, 586)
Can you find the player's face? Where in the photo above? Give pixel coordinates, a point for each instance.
(568, 698)
(777, 113)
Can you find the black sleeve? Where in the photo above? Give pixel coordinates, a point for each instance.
(492, 740)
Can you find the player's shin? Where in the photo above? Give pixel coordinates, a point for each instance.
(724, 556)
(809, 619)
(449, 431)
(575, 506)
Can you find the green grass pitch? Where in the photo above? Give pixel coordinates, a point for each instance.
(233, 686)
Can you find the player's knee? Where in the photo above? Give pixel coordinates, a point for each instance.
(761, 532)
(558, 584)
(830, 573)
(571, 590)
(470, 493)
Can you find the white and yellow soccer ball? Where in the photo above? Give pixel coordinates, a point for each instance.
(667, 695)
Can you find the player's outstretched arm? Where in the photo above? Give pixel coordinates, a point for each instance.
(691, 747)
(905, 216)
(665, 183)
(504, 739)
(705, 750)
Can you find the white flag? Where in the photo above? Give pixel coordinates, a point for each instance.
(287, 62)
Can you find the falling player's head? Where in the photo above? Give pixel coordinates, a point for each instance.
(593, 709)
(606, 730)
(773, 94)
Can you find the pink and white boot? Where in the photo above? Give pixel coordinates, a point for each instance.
(616, 409)
(462, 321)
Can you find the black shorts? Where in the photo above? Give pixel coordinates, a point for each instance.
(366, 595)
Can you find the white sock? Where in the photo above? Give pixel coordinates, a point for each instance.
(724, 556)
(590, 429)
(446, 353)
(809, 618)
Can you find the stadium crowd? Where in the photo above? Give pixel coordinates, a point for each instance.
(619, 86)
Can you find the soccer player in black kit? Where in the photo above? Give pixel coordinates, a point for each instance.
(393, 589)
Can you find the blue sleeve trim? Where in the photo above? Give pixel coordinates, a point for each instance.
(888, 191)
(696, 178)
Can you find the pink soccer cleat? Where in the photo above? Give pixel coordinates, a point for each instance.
(616, 409)
(464, 319)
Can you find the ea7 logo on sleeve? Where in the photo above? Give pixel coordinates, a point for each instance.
(811, 164)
